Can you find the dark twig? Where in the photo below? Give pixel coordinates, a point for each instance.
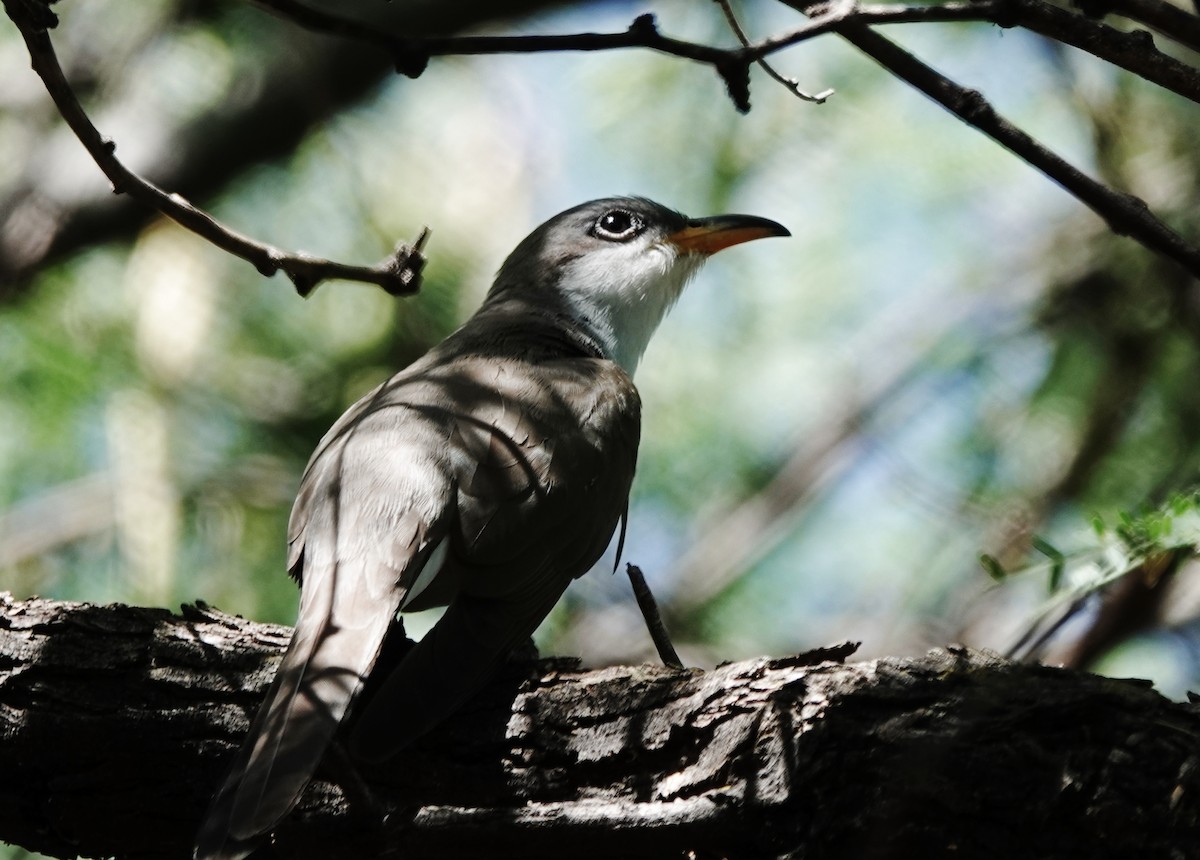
(1125, 214)
(1135, 51)
(654, 622)
(790, 83)
(400, 274)
(1166, 18)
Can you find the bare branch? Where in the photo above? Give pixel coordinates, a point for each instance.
(1125, 214)
(1166, 18)
(409, 57)
(398, 275)
(412, 55)
(1135, 52)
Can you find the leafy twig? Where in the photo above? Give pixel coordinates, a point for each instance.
(400, 274)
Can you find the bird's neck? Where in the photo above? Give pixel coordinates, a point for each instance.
(515, 326)
(622, 306)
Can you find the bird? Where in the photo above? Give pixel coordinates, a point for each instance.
(484, 477)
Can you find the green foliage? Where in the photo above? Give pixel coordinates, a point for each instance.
(1173, 526)
(1137, 539)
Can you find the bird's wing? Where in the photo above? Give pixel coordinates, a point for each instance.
(543, 463)
(372, 510)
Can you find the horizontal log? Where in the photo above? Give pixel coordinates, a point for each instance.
(117, 722)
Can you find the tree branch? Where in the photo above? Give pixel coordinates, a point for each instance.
(1166, 18)
(103, 709)
(1135, 51)
(398, 275)
(1125, 214)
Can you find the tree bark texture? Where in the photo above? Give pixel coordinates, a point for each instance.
(116, 724)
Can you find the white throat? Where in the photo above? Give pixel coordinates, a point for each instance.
(623, 295)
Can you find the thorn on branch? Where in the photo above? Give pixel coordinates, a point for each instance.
(972, 106)
(1008, 15)
(1142, 40)
(270, 263)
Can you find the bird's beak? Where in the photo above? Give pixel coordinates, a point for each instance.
(709, 235)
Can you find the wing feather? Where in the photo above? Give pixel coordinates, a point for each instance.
(540, 491)
(371, 513)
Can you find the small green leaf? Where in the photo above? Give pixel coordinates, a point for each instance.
(1058, 562)
(994, 569)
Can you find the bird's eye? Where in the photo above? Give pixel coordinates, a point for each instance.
(617, 225)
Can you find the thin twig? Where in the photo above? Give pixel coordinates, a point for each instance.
(399, 274)
(654, 622)
(1125, 214)
(790, 83)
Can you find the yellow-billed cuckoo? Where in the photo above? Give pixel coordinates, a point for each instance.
(485, 476)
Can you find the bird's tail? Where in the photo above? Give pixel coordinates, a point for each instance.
(332, 650)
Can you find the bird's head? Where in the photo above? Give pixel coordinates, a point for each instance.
(617, 265)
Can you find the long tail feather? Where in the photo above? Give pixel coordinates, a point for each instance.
(319, 677)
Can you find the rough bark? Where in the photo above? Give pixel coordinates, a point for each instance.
(116, 723)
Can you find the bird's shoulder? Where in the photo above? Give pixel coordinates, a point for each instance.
(469, 428)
